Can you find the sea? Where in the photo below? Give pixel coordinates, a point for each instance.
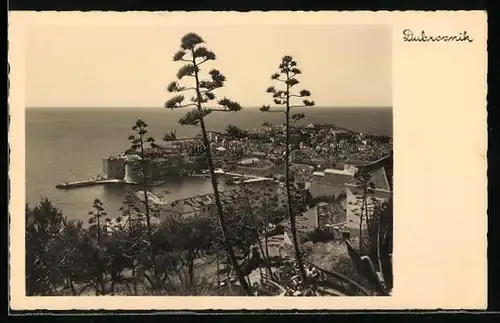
(68, 144)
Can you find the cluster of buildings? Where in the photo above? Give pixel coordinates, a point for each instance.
(338, 195)
(159, 165)
(333, 192)
(326, 146)
(263, 195)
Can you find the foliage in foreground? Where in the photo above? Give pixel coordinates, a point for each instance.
(65, 258)
(109, 257)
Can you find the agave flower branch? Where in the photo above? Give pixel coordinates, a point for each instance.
(286, 76)
(193, 53)
(138, 147)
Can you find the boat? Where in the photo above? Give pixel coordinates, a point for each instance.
(63, 185)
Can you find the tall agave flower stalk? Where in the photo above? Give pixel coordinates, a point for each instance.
(194, 55)
(95, 220)
(138, 147)
(287, 77)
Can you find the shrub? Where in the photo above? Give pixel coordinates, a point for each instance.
(321, 235)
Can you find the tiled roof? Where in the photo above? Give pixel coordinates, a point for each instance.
(331, 213)
(389, 171)
(380, 174)
(382, 162)
(196, 203)
(305, 222)
(378, 179)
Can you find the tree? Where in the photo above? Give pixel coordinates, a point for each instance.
(96, 228)
(235, 132)
(131, 217)
(249, 230)
(73, 271)
(138, 147)
(381, 276)
(183, 239)
(117, 255)
(194, 54)
(379, 225)
(288, 71)
(46, 255)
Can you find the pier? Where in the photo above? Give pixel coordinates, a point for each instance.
(239, 178)
(93, 182)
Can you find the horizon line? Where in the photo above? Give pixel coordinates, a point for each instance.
(153, 107)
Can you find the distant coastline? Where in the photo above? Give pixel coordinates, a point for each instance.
(157, 108)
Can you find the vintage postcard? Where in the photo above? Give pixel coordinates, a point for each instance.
(261, 160)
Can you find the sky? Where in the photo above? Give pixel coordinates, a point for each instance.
(131, 65)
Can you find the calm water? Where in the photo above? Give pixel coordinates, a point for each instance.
(69, 144)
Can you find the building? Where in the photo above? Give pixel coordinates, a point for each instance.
(133, 169)
(169, 166)
(161, 163)
(335, 176)
(330, 183)
(113, 167)
(302, 172)
(326, 216)
(318, 190)
(261, 193)
(380, 188)
(330, 214)
(256, 167)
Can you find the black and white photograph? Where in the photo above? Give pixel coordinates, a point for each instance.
(209, 160)
(226, 161)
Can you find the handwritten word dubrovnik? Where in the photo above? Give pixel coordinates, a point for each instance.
(410, 36)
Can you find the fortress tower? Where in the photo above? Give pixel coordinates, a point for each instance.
(113, 167)
(133, 169)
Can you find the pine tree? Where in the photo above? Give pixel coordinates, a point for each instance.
(133, 217)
